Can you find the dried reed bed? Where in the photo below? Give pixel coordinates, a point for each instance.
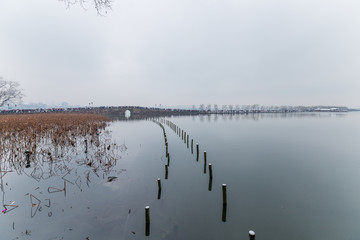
(39, 140)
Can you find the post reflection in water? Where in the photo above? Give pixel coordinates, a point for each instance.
(223, 216)
(210, 184)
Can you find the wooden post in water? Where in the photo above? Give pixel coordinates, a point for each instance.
(210, 171)
(147, 221)
(210, 176)
(205, 162)
(187, 141)
(224, 203)
(184, 137)
(197, 149)
(224, 194)
(182, 134)
(159, 183)
(252, 235)
(167, 148)
(166, 171)
(159, 190)
(192, 146)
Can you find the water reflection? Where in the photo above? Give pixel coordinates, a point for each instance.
(223, 216)
(262, 116)
(54, 151)
(275, 176)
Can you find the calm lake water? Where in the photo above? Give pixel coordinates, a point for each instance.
(288, 176)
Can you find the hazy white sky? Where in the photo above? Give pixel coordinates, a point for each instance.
(184, 52)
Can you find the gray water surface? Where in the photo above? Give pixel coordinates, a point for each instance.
(288, 176)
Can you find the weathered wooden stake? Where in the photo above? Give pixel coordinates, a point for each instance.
(224, 194)
(187, 141)
(192, 146)
(210, 184)
(147, 221)
(205, 162)
(252, 235)
(197, 149)
(166, 171)
(182, 134)
(184, 137)
(159, 183)
(210, 171)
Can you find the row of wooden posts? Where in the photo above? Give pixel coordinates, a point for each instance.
(185, 138)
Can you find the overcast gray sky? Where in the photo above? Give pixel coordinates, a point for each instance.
(184, 52)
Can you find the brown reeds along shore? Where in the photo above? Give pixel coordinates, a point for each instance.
(38, 137)
(26, 131)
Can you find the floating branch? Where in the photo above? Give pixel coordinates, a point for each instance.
(48, 203)
(9, 207)
(35, 202)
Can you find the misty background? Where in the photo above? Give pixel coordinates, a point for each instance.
(177, 53)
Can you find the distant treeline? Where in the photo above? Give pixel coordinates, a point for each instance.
(140, 112)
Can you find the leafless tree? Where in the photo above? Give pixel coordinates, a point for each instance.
(216, 108)
(202, 107)
(255, 107)
(208, 107)
(101, 6)
(9, 92)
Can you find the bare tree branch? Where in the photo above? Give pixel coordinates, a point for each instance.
(101, 6)
(9, 92)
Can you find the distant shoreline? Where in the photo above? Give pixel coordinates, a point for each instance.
(137, 112)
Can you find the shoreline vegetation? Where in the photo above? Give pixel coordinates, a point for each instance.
(38, 140)
(137, 112)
